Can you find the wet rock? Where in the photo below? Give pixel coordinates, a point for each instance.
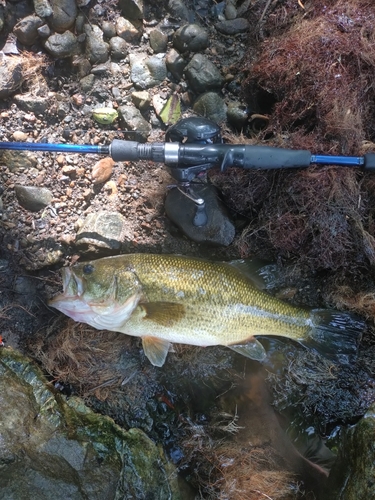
(118, 48)
(212, 106)
(202, 74)
(26, 30)
(141, 99)
(64, 13)
(130, 32)
(10, 75)
(105, 230)
(1, 17)
(352, 476)
(42, 8)
(18, 160)
(146, 71)
(233, 27)
(133, 120)
(33, 198)
(191, 38)
(158, 41)
(219, 229)
(62, 45)
(131, 9)
(32, 104)
(237, 114)
(53, 447)
(175, 64)
(178, 9)
(97, 49)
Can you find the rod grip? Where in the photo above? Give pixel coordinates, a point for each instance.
(265, 157)
(124, 150)
(369, 163)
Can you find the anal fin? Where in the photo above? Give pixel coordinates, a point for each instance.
(252, 349)
(155, 349)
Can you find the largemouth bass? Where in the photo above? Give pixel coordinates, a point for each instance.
(169, 298)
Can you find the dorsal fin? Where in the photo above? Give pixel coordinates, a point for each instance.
(261, 273)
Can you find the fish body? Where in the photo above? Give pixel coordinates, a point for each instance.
(168, 299)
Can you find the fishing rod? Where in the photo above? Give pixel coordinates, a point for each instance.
(193, 146)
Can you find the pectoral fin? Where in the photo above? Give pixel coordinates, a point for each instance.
(156, 350)
(164, 313)
(252, 349)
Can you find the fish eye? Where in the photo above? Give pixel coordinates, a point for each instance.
(88, 269)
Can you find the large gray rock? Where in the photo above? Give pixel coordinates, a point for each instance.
(175, 64)
(103, 230)
(191, 38)
(146, 71)
(64, 14)
(26, 30)
(202, 74)
(57, 448)
(61, 45)
(131, 9)
(233, 26)
(10, 75)
(31, 103)
(178, 9)
(133, 120)
(18, 160)
(33, 198)
(97, 50)
(42, 8)
(212, 106)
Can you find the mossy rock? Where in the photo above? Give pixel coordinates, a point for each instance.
(353, 475)
(56, 447)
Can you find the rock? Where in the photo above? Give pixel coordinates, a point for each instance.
(87, 83)
(64, 13)
(202, 74)
(191, 38)
(219, 229)
(26, 30)
(62, 45)
(237, 114)
(233, 27)
(141, 99)
(33, 198)
(109, 29)
(230, 9)
(147, 72)
(128, 31)
(131, 9)
(133, 120)
(212, 106)
(178, 9)
(10, 75)
(44, 31)
(352, 475)
(175, 64)
(97, 49)
(118, 48)
(158, 41)
(102, 170)
(19, 136)
(56, 447)
(107, 230)
(18, 160)
(32, 104)
(42, 8)
(2, 21)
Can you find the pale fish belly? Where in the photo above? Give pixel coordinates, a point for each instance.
(207, 325)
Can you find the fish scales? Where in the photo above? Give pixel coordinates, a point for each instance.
(172, 298)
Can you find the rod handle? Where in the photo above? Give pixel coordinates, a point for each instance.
(369, 161)
(265, 157)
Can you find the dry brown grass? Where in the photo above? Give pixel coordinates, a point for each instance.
(74, 353)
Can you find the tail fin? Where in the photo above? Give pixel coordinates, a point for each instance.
(334, 334)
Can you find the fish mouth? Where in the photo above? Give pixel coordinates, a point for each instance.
(72, 287)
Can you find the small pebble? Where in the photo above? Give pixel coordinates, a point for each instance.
(102, 170)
